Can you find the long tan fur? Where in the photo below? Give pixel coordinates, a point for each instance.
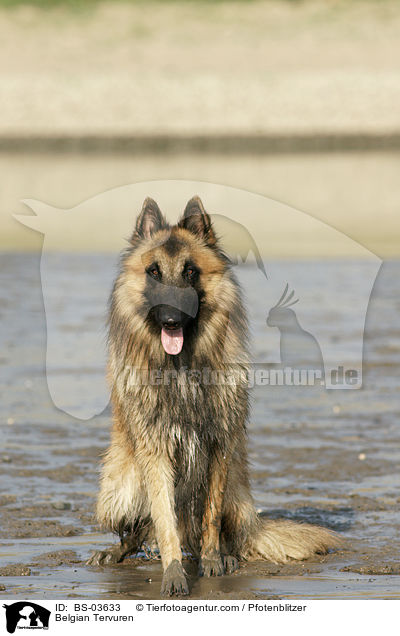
(176, 472)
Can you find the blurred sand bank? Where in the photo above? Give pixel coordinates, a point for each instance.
(355, 193)
(225, 92)
(270, 67)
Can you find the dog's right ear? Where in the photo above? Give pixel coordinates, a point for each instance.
(149, 221)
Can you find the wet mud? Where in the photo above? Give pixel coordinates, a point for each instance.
(329, 458)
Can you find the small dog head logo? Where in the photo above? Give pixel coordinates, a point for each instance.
(26, 615)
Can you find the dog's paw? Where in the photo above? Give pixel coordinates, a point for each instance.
(174, 580)
(211, 565)
(109, 556)
(231, 564)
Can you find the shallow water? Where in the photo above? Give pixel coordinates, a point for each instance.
(329, 457)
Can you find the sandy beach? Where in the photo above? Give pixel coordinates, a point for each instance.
(200, 67)
(82, 89)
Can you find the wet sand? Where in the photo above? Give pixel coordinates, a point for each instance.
(328, 457)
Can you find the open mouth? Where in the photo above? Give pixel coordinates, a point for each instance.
(172, 340)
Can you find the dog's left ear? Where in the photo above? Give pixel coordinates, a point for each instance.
(149, 221)
(196, 220)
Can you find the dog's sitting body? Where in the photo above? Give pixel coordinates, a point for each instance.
(176, 471)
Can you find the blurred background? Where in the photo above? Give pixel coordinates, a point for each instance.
(296, 100)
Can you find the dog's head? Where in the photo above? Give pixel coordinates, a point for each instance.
(174, 277)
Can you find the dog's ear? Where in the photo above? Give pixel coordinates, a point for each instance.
(196, 220)
(149, 221)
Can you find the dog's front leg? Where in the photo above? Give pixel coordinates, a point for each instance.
(160, 488)
(211, 563)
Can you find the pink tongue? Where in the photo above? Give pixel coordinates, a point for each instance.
(172, 340)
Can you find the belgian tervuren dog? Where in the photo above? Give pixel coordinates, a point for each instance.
(176, 472)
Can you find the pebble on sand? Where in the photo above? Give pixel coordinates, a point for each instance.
(61, 505)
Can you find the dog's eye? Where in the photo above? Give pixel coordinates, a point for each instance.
(154, 272)
(190, 272)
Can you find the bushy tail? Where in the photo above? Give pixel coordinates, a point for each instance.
(280, 540)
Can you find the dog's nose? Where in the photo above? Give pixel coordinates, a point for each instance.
(170, 323)
(170, 317)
